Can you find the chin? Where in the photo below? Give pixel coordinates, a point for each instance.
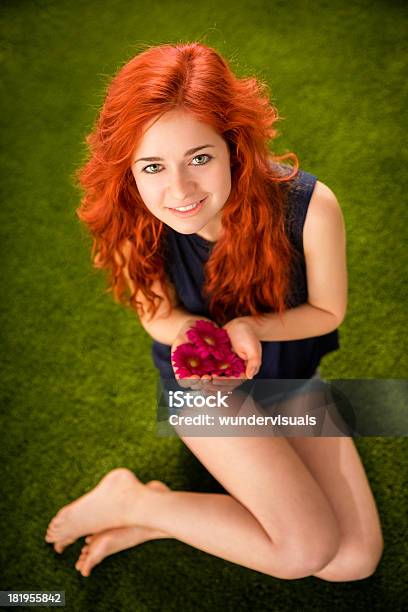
(183, 229)
(183, 226)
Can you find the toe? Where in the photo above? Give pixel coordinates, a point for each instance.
(59, 547)
(157, 484)
(52, 531)
(86, 568)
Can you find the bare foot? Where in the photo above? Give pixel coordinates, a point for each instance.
(106, 506)
(61, 545)
(101, 545)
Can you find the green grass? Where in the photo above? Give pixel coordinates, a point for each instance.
(78, 384)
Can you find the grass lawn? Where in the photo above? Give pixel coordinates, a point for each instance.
(78, 384)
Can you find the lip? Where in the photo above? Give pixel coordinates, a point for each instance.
(189, 213)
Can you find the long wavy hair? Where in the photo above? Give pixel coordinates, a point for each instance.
(249, 270)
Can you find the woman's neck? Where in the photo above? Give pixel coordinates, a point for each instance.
(212, 230)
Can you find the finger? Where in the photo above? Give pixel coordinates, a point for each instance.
(194, 382)
(230, 383)
(183, 383)
(212, 386)
(222, 381)
(252, 367)
(205, 380)
(241, 353)
(206, 384)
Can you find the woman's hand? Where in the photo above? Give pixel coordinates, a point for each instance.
(246, 344)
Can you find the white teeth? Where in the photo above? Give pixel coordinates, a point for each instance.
(185, 208)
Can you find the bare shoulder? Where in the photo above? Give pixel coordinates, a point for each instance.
(323, 202)
(324, 218)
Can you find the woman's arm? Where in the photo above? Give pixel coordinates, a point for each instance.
(324, 244)
(171, 320)
(169, 328)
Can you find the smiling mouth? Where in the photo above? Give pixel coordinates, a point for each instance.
(190, 208)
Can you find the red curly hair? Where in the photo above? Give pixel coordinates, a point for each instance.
(248, 272)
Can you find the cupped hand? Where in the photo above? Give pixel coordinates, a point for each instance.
(245, 344)
(207, 383)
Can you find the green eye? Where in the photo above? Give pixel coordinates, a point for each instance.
(151, 169)
(198, 160)
(202, 159)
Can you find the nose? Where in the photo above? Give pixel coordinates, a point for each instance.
(181, 185)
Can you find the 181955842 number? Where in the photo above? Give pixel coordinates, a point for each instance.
(32, 598)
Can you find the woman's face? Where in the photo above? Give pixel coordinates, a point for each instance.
(182, 171)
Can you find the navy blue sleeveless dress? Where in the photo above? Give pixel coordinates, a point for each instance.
(186, 257)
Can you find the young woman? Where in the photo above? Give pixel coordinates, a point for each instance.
(191, 212)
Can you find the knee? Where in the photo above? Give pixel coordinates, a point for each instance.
(355, 562)
(302, 559)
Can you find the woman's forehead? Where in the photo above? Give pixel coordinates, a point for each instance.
(175, 131)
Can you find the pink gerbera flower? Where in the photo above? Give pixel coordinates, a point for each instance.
(209, 339)
(230, 365)
(188, 361)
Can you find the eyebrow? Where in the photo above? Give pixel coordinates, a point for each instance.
(189, 152)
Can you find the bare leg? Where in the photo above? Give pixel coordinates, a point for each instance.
(336, 466)
(276, 520)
